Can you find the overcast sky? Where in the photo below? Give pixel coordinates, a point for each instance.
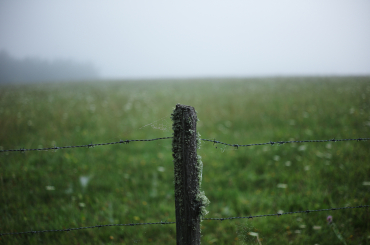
(202, 38)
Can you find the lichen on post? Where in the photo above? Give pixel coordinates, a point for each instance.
(190, 201)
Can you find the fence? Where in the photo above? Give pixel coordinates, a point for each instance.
(190, 201)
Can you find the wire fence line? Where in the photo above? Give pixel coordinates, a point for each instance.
(296, 212)
(214, 141)
(87, 227)
(167, 223)
(84, 146)
(286, 142)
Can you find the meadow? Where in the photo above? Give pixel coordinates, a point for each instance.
(133, 183)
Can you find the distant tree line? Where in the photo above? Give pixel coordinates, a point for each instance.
(37, 70)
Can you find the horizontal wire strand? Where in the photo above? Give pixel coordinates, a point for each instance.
(279, 214)
(213, 141)
(82, 146)
(166, 223)
(286, 142)
(87, 227)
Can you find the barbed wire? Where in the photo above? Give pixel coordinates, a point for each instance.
(214, 141)
(279, 214)
(82, 146)
(167, 223)
(87, 227)
(286, 142)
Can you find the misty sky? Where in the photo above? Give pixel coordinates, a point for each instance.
(203, 38)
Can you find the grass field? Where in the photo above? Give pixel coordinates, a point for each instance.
(133, 183)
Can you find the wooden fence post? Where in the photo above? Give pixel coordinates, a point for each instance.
(188, 170)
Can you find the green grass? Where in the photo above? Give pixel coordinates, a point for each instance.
(133, 183)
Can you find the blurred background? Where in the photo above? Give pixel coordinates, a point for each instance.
(77, 40)
(255, 71)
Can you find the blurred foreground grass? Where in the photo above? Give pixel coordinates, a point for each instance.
(133, 183)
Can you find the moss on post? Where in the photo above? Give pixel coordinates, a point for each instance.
(190, 201)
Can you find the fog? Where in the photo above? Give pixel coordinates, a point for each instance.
(181, 39)
(37, 70)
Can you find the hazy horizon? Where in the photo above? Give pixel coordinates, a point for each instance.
(192, 39)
